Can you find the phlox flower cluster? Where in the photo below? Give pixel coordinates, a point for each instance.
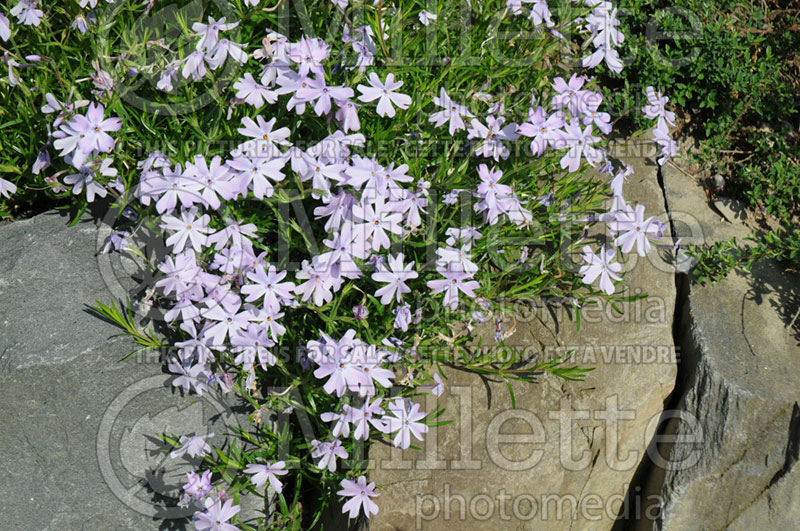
(362, 42)
(538, 12)
(28, 13)
(569, 123)
(234, 302)
(602, 25)
(211, 52)
(85, 143)
(628, 223)
(656, 110)
(228, 297)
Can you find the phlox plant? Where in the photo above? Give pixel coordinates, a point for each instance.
(353, 207)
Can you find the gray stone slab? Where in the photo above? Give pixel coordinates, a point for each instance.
(78, 428)
(694, 220)
(740, 421)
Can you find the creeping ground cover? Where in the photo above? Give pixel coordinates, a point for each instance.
(330, 196)
(733, 68)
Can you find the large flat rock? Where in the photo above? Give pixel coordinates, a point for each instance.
(695, 221)
(564, 457)
(739, 429)
(78, 427)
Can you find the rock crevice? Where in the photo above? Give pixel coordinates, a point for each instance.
(736, 397)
